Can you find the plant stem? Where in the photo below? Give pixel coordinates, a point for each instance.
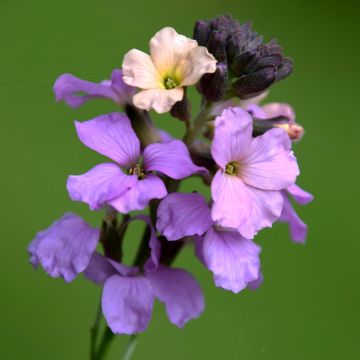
(94, 331)
(107, 337)
(130, 348)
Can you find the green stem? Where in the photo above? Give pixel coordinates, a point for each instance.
(94, 331)
(107, 337)
(130, 348)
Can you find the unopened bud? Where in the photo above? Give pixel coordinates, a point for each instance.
(294, 131)
(214, 86)
(217, 45)
(182, 109)
(202, 31)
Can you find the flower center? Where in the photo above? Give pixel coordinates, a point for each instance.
(170, 83)
(138, 171)
(232, 168)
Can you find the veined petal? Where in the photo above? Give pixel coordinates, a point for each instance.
(138, 196)
(233, 134)
(233, 260)
(267, 206)
(298, 229)
(67, 87)
(161, 100)
(180, 293)
(301, 196)
(99, 185)
(270, 163)
(140, 71)
(111, 135)
(197, 63)
(168, 49)
(127, 304)
(172, 159)
(65, 248)
(232, 204)
(180, 215)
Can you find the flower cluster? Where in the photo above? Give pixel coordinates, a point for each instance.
(242, 150)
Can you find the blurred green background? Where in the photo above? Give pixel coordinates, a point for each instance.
(308, 306)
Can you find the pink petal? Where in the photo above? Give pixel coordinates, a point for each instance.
(168, 49)
(161, 100)
(197, 63)
(301, 196)
(279, 109)
(270, 163)
(180, 215)
(127, 304)
(138, 196)
(267, 206)
(232, 204)
(180, 293)
(172, 159)
(233, 260)
(140, 71)
(99, 185)
(233, 132)
(111, 135)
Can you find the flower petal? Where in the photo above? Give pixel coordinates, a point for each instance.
(67, 87)
(101, 268)
(232, 204)
(233, 260)
(279, 109)
(99, 185)
(180, 293)
(270, 164)
(111, 135)
(161, 100)
(298, 229)
(233, 132)
(172, 159)
(65, 248)
(124, 91)
(140, 71)
(180, 215)
(138, 196)
(168, 49)
(197, 63)
(267, 206)
(301, 196)
(127, 304)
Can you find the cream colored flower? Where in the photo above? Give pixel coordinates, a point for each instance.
(175, 61)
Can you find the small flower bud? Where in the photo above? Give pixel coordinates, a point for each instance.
(294, 131)
(217, 44)
(213, 86)
(202, 31)
(182, 109)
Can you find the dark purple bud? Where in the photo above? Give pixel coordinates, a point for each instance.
(214, 86)
(221, 22)
(217, 45)
(285, 70)
(202, 31)
(248, 86)
(182, 109)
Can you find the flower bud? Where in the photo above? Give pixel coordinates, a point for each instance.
(214, 86)
(217, 44)
(182, 109)
(202, 31)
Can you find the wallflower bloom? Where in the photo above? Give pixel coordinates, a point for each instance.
(128, 295)
(65, 248)
(252, 171)
(233, 259)
(298, 229)
(75, 92)
(112, 135)
(175, 61)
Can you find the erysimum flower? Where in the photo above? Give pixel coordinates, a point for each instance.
(252, 171)
(65, 248)
(75, 91)
(175, 61)
(298, 229)
(233, 259)
(128, 295)
(112, 135)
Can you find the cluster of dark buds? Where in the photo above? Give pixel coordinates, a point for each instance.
(243, 152)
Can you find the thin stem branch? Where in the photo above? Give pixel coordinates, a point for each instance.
(94, 331)
(107, 337)
(130, 347)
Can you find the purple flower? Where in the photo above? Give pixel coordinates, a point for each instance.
(112, 135)
(65, 248)
(76, 92)
(128, 295)
(298, 229)
(252, 172)
(233, 259)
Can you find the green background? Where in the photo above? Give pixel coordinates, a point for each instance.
(308, 306)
